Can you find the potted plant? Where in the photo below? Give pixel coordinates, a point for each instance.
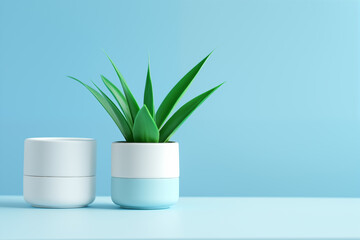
(145, 167)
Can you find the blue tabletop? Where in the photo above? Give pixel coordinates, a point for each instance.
(191, 218)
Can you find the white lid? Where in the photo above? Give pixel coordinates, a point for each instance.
(145, 160)
(67, 157)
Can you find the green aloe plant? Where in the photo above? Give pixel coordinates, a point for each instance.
(144, 124)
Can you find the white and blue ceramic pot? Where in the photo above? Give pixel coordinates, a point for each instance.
(145, 175)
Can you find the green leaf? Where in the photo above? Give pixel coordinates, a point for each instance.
(145, 129)
(111, 109)
(133, 106)
(182, 114)
(120, 98)
(176, 93)
(148, 94)
(124, 126)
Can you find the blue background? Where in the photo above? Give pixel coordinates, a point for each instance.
(286, 123)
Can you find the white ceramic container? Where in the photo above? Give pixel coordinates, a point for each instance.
(59, 172)
(145, 175)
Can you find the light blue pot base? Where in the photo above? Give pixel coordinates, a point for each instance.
(144, 193)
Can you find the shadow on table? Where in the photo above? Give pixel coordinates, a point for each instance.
(4, 204)
(103, 206)
(94, 206)
(111, 206)
(16, 204)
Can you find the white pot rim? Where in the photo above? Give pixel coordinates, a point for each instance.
(145, 143)
(59, 139)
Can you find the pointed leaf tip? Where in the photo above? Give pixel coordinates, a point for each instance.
(176, 93)
(113, 113)
(133, 106)
(148, 94)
